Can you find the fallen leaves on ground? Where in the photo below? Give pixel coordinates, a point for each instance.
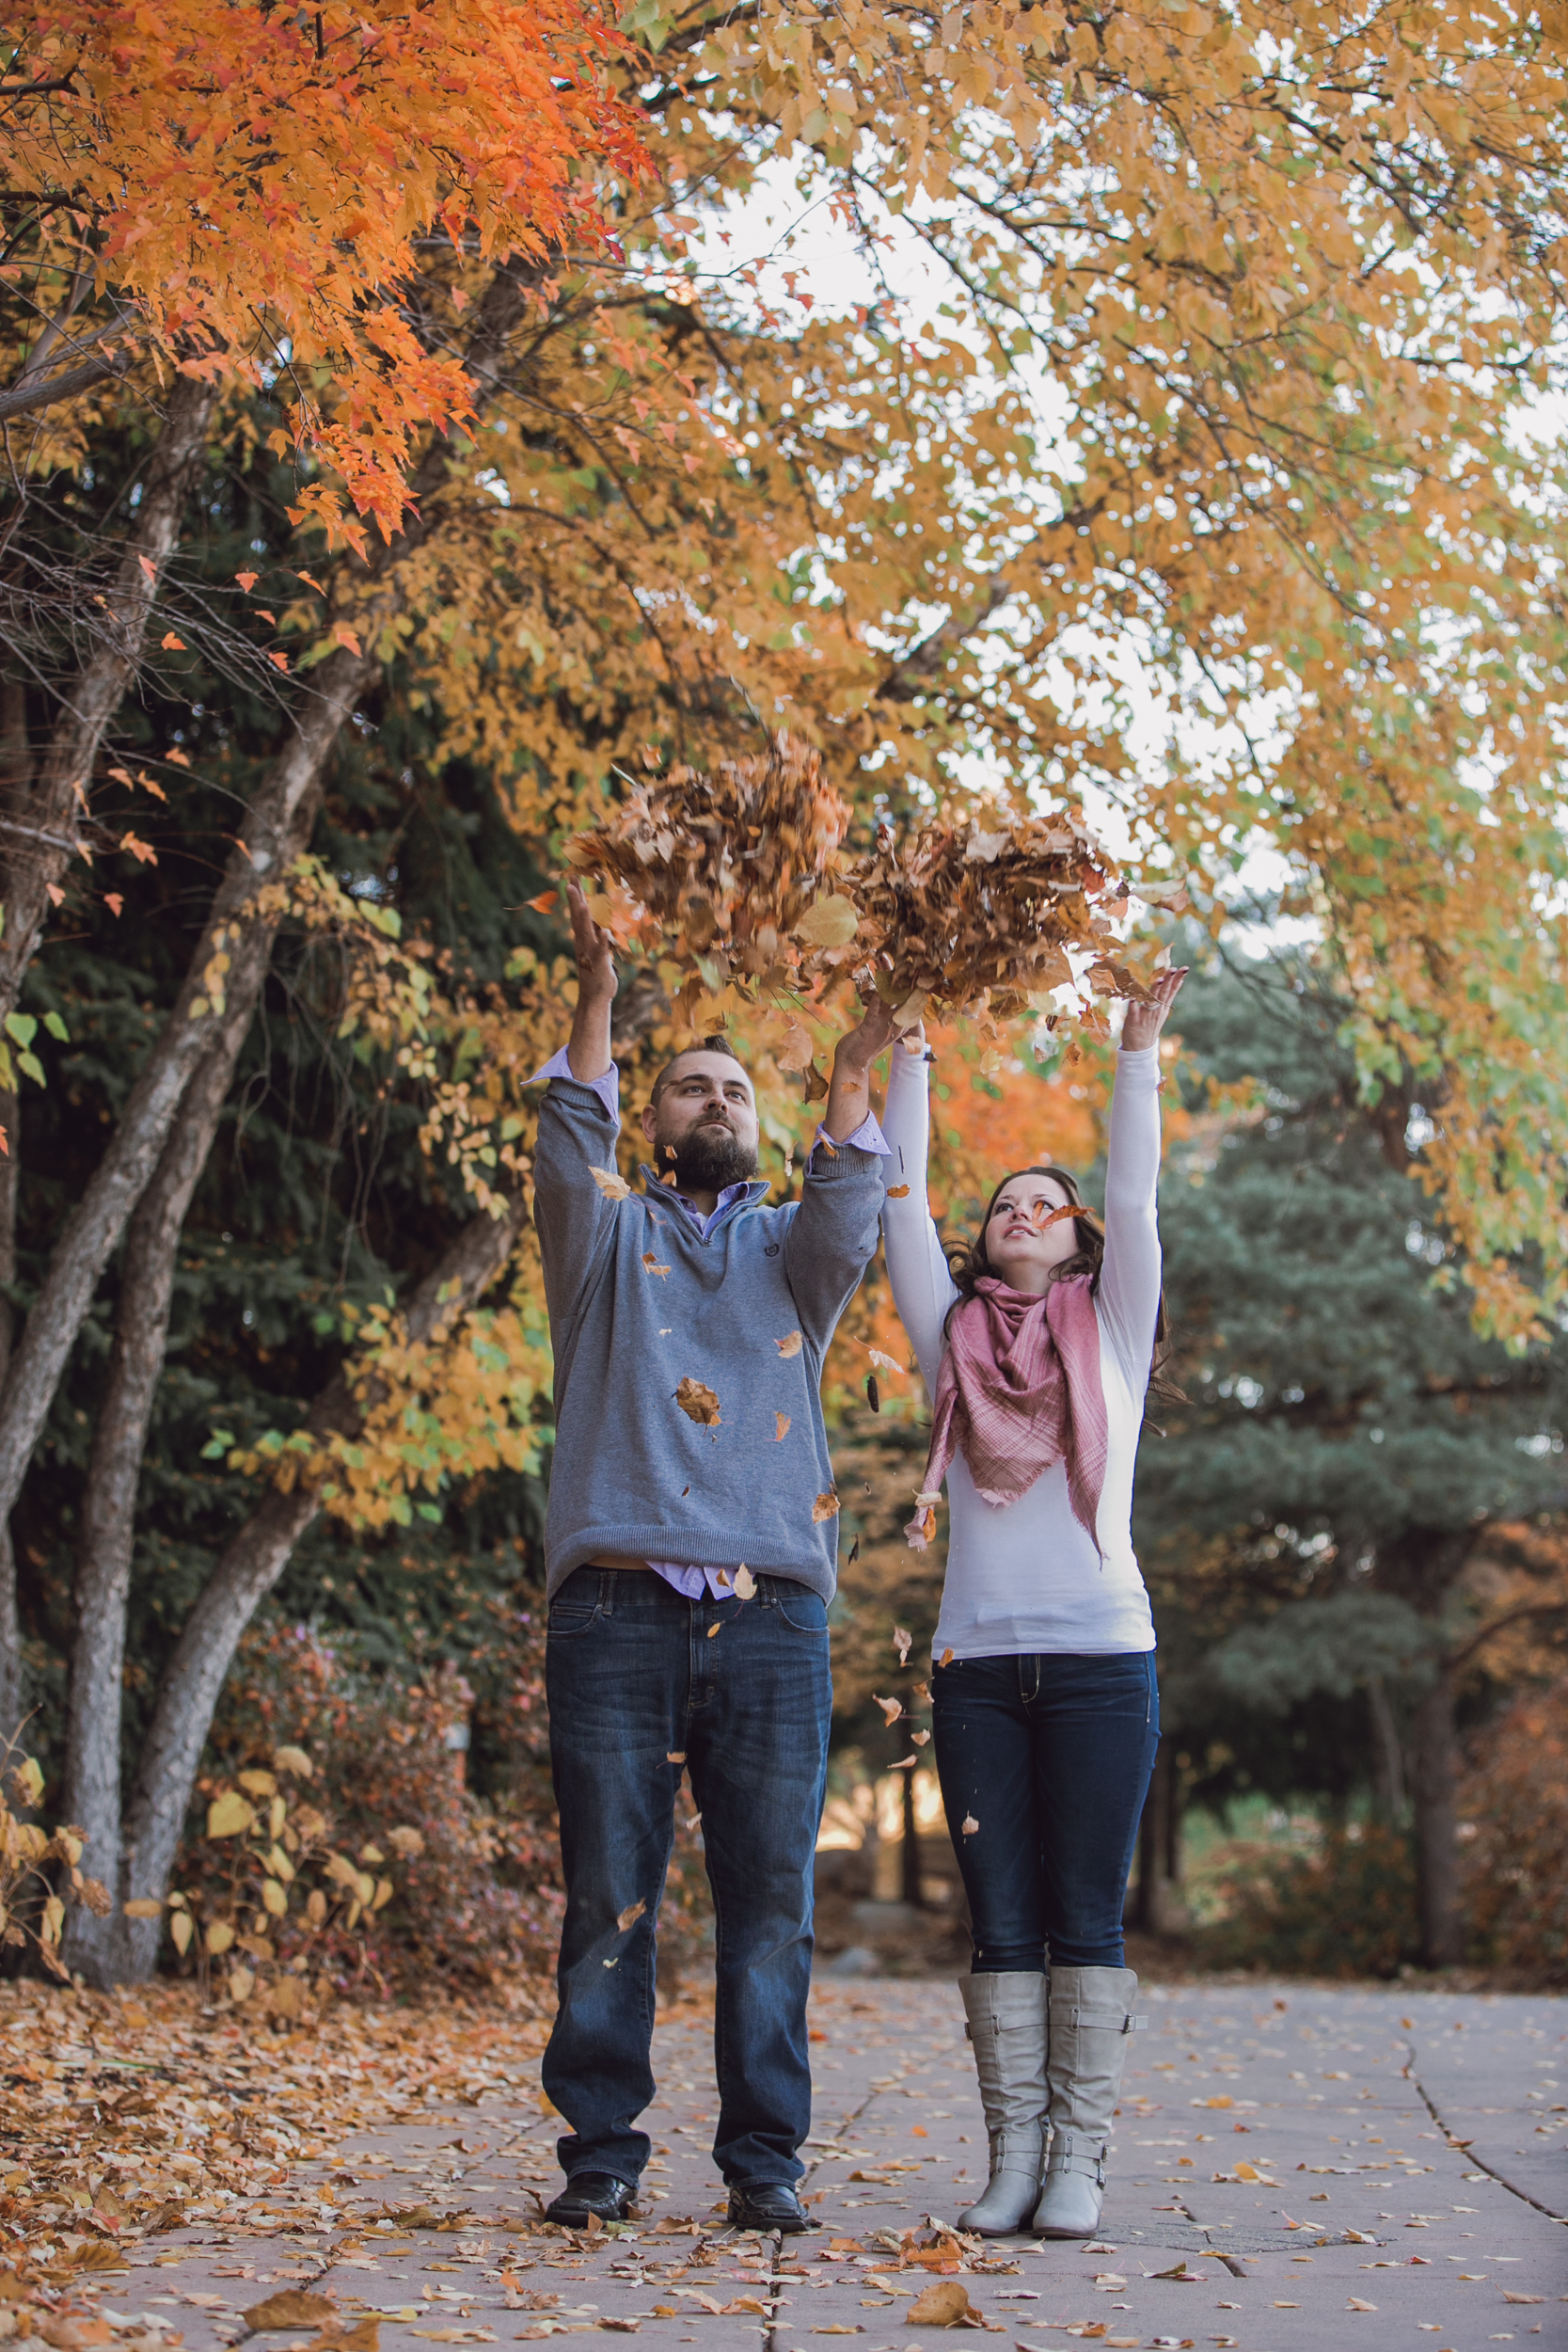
(108, 2095)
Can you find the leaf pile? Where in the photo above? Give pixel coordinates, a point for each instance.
(122, 2115)
(960, 918)
(724, 866)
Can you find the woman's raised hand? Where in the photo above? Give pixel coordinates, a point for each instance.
(1145, 1020)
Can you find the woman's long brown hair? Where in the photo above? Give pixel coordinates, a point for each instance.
(967, 1261)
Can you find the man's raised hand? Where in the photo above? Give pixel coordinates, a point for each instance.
(589, 1048)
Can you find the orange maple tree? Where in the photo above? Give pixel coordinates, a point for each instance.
(250, 195)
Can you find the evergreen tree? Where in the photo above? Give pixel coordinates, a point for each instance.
(1349, 1444)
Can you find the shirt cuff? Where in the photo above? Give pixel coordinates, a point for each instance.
(867, 1136)
(607, 1089)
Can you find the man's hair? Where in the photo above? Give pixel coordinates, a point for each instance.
(708, 1045)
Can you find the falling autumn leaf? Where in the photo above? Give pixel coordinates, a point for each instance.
(920, 1737)
(781, 1427)
(897, 1192)
(789, 1345)
(612, 1185)
(886, 1363)
(903, 1764)
(745, 1582)
(892, 1709)
(903, 1642)
(825, 1507)
(969, 1825)
(873, 1393)
(651, 1262)
(628, 1918)
(698, 1402)
(946, 1658)
(854, 1552)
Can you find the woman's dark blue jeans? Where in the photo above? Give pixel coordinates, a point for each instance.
(641, 1683)
(1050, 1756)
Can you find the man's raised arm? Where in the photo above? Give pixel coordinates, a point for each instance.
(832, 1239)
(578, 1122)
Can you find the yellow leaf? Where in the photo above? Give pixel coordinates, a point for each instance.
(257, 1783)
(631, 1915)
(612, 1185)
(827, 923)
(385, 1890)
(295, 1760)
(182, 1927)
(143, 1907)
(230, 1815)
(790, 1345)
(220, 1936)
(745, 1582)
(274, 1899)
(241, 1983)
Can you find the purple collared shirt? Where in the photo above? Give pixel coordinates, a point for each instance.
(690, 1578)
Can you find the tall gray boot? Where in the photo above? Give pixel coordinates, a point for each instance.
(1008, 2025)
(1091, 2016)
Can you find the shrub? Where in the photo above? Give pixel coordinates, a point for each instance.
(474, 1891)
(1346, 1908)
(1515, 1801)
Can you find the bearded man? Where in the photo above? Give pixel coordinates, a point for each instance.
(692, 1551)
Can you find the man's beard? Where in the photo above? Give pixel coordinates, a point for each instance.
(708, 1159)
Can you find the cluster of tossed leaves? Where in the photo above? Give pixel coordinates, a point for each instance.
(741, 872)
(721, 866)
(966, 916)
(40, 1871)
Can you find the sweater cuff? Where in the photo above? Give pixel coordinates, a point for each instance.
(607, 1088)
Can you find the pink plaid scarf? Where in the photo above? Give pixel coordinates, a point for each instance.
(1020, 1391)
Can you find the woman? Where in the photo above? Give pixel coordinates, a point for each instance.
(1037, 1345)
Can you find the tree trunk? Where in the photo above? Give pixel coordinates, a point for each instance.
(1388, 1774)
(103, 1583)
(909, 1858)
(245, 1573)
(37, 826)
(1434, 1777)
(12, 1695)
(1156, 1908)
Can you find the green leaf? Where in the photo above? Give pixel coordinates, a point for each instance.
(217, 1445)
(430, 1511)
(23, 1027)
(56, 1027)
(31, 1067)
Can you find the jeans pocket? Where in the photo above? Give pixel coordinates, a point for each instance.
(565, 1624)
(804, 1610)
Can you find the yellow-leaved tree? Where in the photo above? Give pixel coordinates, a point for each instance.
(1223, 361)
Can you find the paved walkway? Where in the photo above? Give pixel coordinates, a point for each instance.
(1292, 2168)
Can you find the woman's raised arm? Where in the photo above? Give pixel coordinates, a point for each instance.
(922, 1290)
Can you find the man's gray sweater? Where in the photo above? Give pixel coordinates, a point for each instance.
(640, 1301)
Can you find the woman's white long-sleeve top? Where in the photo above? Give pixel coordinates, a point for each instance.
(1025, 1577)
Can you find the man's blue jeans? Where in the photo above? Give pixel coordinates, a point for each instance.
(639, 1683)
(1050, 1756)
